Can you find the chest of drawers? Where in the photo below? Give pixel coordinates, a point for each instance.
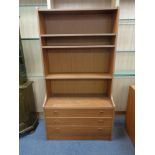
(65, 118)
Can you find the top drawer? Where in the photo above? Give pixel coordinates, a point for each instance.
(78, 112)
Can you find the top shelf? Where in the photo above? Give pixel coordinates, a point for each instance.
(79, 35)
(83, 21)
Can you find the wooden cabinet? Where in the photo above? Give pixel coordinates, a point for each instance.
(78, 48)
(28, 118)
(130, 114)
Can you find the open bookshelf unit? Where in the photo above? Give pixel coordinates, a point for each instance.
(78, 48)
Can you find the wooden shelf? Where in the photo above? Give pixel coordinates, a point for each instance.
(93, 46)
(79, 35)
(78, 102)
(79, 76)
(78, 40)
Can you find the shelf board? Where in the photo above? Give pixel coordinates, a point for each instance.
(79, 76)
(91, 46)
(79, 35)
(78, 102)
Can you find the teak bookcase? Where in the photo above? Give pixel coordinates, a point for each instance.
(78, 48)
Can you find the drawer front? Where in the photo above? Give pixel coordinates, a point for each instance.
(79, 137)
(97, 121)
(78, 112)
(78, 130)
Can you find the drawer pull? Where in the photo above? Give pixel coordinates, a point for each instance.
(55, 112)
(100, 121)
(56, 121)
(57, 129)
(100, 129)
(101, 112)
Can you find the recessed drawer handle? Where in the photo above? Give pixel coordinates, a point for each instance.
(100, 121)
(57, 129)
(56, 121)
(101, 112)
(55, 112)
(100, 129)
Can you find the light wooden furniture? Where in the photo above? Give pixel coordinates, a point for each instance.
(78, 48)
(130, 114)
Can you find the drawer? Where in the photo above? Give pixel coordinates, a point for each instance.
(79, 137)
(78, 130)
(96, 121)
(78, 112)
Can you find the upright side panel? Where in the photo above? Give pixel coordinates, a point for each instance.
(115, 30)
(41, 24)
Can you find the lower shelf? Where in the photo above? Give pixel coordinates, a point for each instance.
(79, 76)
(78, 102)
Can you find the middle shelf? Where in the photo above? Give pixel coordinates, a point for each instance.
(79, 76)
(86, 62)
(79, 35)
(90, 46)
(78, 40)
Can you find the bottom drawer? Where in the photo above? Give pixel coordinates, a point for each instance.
(79, 130)
(77, 137)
